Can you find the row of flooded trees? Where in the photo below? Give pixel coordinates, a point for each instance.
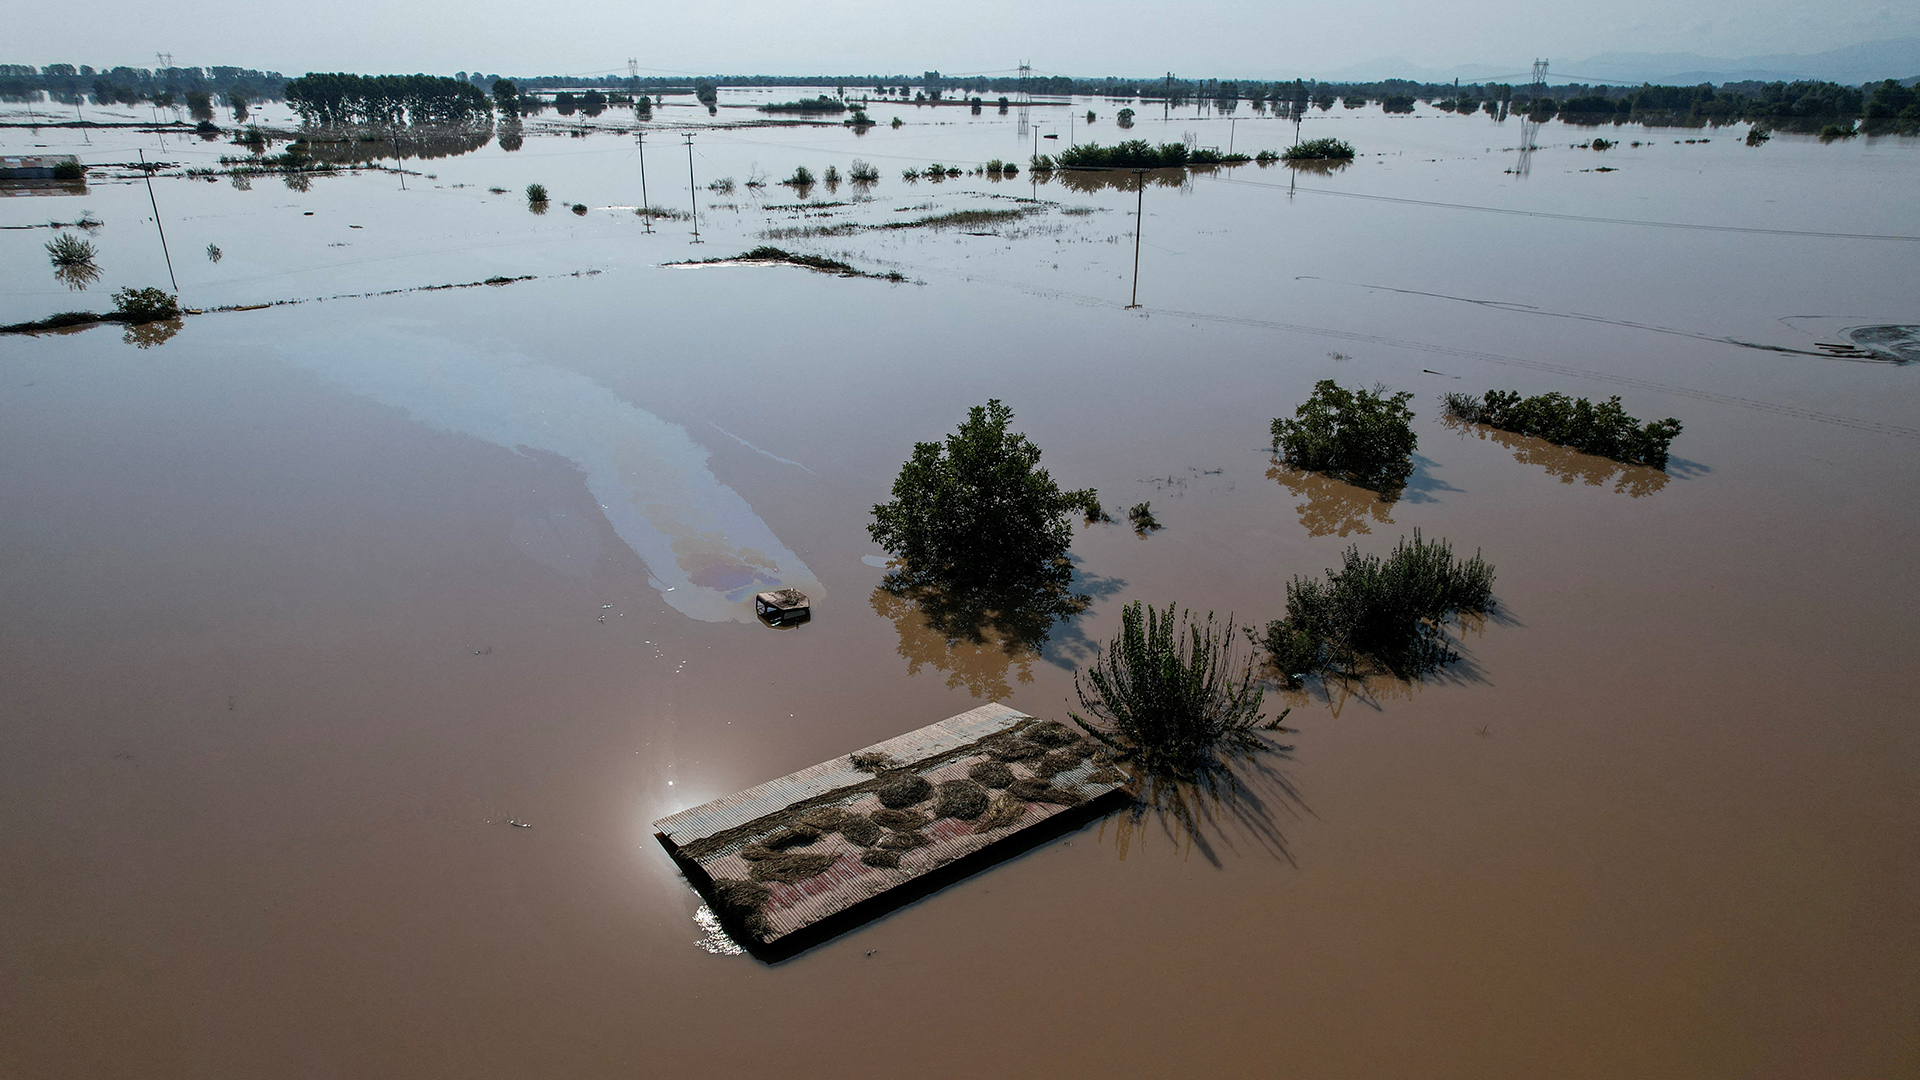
(341, 98)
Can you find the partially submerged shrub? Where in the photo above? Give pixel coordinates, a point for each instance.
(860, 172)
(1605, 430)
(537, 194)
(722, 186)
(978, 511)
(1364, 437)
(69, 170)
(1142, 518)
(962, 799)
(902, 790)
(580, 208)
(1167, 692)
(1320, 150)
(831, 176)
(802, 177)
(67, 250)
(145, 305)
(1375, 614)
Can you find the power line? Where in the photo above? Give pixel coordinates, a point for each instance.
(1752, 229)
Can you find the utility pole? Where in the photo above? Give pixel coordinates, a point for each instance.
(692, 195)
(1139, 207)
(646, 208)
(1231, 121)
(148, 173)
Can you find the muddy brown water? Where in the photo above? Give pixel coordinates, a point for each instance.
(299, 606)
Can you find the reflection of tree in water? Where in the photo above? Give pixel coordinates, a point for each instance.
(511, 138)
(77, 276)
(1568, 464)
(1244, 788)
(297, 181)
(360, 146)
(1088, 181)
(148, 334)
(976, 637)
(1332, 506)
(1372, 688)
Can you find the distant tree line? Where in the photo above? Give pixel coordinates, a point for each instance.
(386, 100)
(69, 84)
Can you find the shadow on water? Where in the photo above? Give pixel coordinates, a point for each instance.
(1245, 792)
(1372, 689)
(982, 638)
(1572, 466)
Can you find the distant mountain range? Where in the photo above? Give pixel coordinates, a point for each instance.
(1868, 62)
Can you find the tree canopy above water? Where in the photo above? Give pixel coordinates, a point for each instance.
(341, 98)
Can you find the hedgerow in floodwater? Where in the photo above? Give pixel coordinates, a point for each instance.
(1140, 154)
(1604, 430)
(1364, 437)
(1320, 150)
(145, 305)
(978, 511)
(1377, 615)
(1168, 692)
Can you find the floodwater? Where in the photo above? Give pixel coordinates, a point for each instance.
(300, 605)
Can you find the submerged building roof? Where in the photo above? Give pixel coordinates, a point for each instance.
(794, 851)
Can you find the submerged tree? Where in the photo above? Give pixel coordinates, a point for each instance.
(978, 511)
(1364, 437)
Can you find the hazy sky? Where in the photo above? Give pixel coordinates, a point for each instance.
(1248, 38)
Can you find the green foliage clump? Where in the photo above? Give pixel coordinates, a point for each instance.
(1140, 154)
(1377, 614)
(861, 172)
(536, 193)
(1364, 437)
(1142, 518)
(1168, 692)
(802, 177)
(1604, 430)
(821, 104)
(1320, 150)
(978, 511)
(68, 250)
(69, 170)
(145, 305)
(1396, 103)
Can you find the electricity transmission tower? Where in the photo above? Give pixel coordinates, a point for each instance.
(633, 67)
(165, 58)
(1539, 88)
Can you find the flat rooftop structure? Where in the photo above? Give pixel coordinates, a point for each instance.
(889, 821)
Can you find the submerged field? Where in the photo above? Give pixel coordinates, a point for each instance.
(304, 602)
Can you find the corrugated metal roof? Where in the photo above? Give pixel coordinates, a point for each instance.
(937, 752)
